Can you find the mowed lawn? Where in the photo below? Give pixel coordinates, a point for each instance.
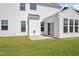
(23, 46)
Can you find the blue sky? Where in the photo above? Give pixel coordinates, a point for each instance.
(74, 5)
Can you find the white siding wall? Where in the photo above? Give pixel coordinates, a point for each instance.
(34, 25)
(55, 20)
(70, 14)
(43, 11)
(12, 13)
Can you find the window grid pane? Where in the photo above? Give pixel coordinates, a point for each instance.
(23, 23)
(23, 26)
(76, 25)
(42, 26)
(33, 6)
(76, 22)
(71, 25)
(71, 21)
(4, 27)
(76, 29)
(71, 28)
(65, 29)
(65, 21)
(22, 6)
(65, 25)
(23, 29)
(4, 24)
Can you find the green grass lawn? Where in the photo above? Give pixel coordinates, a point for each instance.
(23, 46)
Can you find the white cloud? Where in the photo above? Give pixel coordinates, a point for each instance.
(74, 5)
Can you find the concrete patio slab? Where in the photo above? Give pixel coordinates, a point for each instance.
(39, 37)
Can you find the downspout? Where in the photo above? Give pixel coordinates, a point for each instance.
(28, 26)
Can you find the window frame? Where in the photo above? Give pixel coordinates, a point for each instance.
(76, 25)
(4, 25)
(22, 6)
(71, 27)
(65, 25)
(42, 26)
(33, 6)
(23, 26)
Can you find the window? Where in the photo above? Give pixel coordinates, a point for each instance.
(71, 21)
(42, 26)
(33, 6)
(23, 26)
(65, 25)
(76, 25)
(4, 24)
(71, 25)
(22, 6)
(65, 21)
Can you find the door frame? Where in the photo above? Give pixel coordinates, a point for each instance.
(52, 28)
(35, 16)
(49, 28)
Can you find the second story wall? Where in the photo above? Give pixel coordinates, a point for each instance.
(47, 11)
(43, 11)
(12, 13)
(13, 9)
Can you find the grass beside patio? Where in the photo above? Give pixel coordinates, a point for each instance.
(23, 46)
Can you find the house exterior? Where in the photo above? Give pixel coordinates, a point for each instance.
(18, 19)
(35, 19)
(63, 24)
